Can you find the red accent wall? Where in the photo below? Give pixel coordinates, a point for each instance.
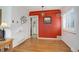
(48, 30)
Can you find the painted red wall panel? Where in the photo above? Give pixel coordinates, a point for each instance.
(49, 30)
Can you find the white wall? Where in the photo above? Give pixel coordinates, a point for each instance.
(20, 32)
(6, 17)
(6, 13)
(72, 39)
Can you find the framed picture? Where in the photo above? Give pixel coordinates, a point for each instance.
(47, 20)
(23, 19)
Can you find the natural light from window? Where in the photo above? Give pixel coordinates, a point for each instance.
(69, 19)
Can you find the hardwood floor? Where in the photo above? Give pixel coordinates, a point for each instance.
(39, 45)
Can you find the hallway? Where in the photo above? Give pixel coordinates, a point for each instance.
(47, 22)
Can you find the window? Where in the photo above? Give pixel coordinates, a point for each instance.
(69, 19)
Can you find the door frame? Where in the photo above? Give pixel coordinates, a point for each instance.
(31, 26)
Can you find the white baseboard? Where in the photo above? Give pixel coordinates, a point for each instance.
(14, 45)
(58, 38)
(47, 38)
(72, 49)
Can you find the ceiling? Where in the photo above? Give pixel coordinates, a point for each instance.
(36, 8)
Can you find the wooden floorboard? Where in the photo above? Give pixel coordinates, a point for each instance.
(40, 45)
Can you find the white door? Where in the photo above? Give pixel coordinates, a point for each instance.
(34, 26)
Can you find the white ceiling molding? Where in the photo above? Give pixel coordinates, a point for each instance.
(37, 8)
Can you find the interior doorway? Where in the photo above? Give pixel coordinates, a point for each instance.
(34, 26)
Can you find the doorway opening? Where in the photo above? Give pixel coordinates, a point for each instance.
(34, 27)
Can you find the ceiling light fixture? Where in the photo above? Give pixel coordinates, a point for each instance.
(42, 11)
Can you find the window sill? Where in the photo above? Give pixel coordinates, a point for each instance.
(70, 31)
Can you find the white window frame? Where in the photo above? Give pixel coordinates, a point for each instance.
(69, 17)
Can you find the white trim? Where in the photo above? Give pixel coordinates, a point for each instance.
(47, 38)
(72, 49)
(66, 16)
(21, 41)
(58, 38)
(37, 24)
